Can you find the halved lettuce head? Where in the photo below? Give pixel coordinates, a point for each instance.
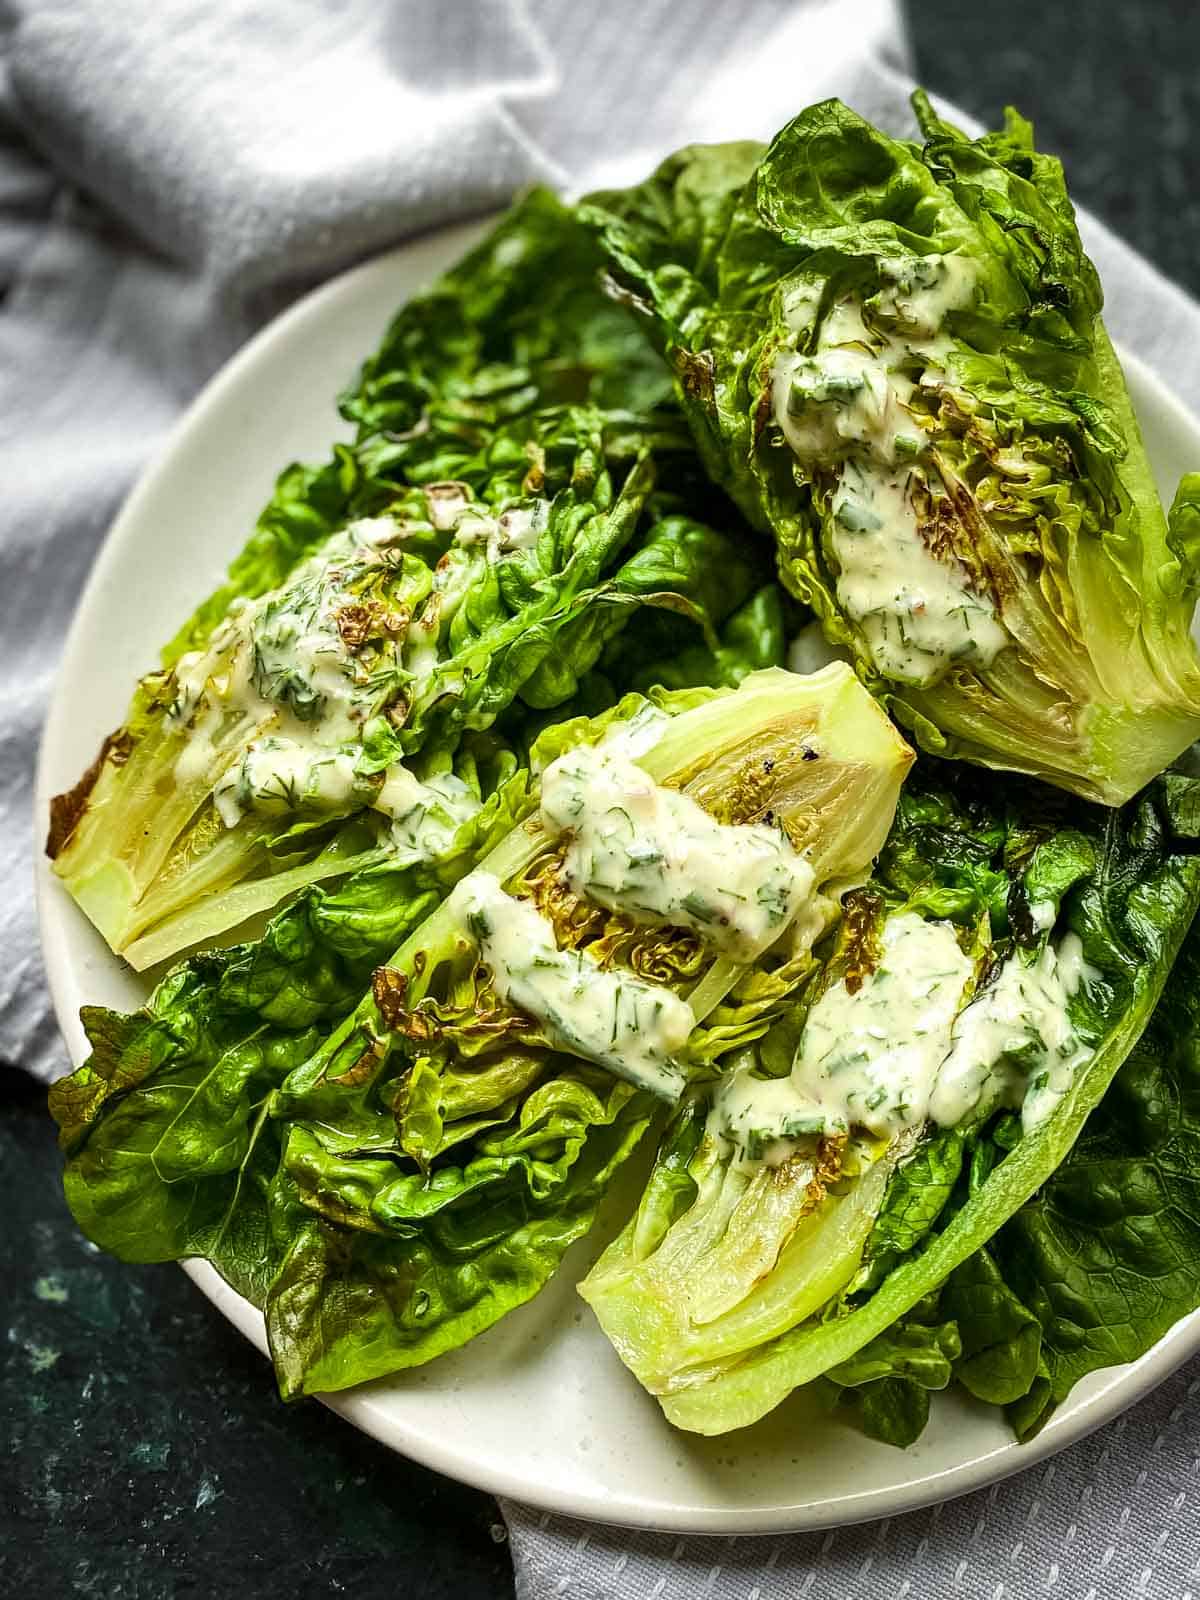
(519, 486)
(892, 357)
(818, 1213)
(388, 1185)
(337, 720)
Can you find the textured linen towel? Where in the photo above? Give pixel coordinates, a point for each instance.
(174, 172)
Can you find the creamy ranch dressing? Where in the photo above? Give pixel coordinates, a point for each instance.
(279, 662)
(610, 1016)
(655, 855)
(901, 1052)
(283, 775)
(867, 1059)
(845, 404)
(278, 674)
(515, 529)
(287, 640)
(425, 816)
(1014, 1044)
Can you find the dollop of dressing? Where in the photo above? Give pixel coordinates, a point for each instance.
(903, 1049)
(657, 856)
(867, 1058)
(610, 1016)
(516, 528)
(1014, 1045)
(281, 685)
(844, 405)
(285, 651)
(278, 775)
(424, 816)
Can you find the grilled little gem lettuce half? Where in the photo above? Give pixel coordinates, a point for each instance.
(1106, 1256)
(388, 1190)
(320, 727)
(892, 357)
(818, 1213)
(454, 1107)
(434, 569)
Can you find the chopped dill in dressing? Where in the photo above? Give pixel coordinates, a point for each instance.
(1014, 1045)
(904, 1049)
(292, 651)
(424, 816)
(845, 407)
(610, 1016)
(285, 775)
(282, 694)
(517, 528)
(660, 858)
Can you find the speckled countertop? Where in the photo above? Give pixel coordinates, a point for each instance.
(143, 1453)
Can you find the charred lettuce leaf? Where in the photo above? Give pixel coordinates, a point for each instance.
(371, 626)
(1105, 1258)
(748, 1272)
(892, 357)
(389, 1182)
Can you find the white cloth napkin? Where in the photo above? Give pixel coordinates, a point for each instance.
(172, 173)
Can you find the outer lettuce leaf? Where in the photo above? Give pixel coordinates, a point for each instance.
(182, 1162)
(1039, 490)
(385, 1270)
(1106, 1256)
(150, 859)
(389, 1184)
(170, 1146)
(831, 1281)
(885, 1388)
(520, 322)
(1000, 1339)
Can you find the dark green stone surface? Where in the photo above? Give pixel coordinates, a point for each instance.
(143, 1452)
(1112, 86)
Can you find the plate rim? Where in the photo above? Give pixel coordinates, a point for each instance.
(1123, 1386)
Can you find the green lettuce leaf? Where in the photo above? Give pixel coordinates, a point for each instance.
(884, 1389)
(386, 1183)
(385, 1269)
(1000, 1338)
(892, 357)
(1106, 1255)
(741, 1279)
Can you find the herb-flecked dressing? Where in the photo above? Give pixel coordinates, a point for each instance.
(905, 1049)
(845, 407)
(1014, 1044)
(285, 686)
(654, 854)
(609, 1016)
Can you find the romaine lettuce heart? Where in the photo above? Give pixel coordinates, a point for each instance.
(892, 357)
(428, 1162)
(805, 1213)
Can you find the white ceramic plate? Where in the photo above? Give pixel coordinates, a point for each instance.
(539, 1408)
